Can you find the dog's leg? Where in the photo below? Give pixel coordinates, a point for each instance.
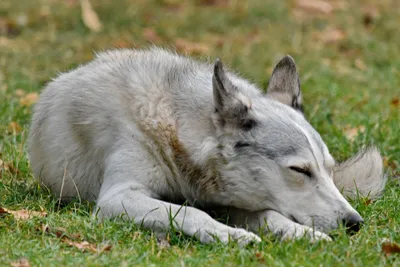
(270, 221)
(129, 187)
(161, 216)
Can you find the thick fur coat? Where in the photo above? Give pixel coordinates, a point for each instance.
(143, 131)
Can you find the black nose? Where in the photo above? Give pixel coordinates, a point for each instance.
(353, 222)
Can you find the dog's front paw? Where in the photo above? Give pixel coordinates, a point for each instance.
(301, 231)
(243, 237)
(225, 234)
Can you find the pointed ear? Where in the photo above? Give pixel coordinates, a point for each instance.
(284, 85)
(231, 105)
(222, 86)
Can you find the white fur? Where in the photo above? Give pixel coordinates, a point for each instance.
(141, 131)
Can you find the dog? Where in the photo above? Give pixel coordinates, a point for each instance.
(161, 138)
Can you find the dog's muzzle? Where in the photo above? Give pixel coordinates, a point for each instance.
(353, 222)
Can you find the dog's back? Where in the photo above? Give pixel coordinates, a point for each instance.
(121, 95)
(83, 113)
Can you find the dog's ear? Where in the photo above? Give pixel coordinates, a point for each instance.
(231, 106)
(284, 85)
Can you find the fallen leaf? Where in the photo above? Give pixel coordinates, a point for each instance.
(8, 166)
(23, 214)
(3, 211)
(8, 27)
(14, 128)
(59, 231)
(220, 3)
(19, 92)
(106, 248)
(395, 102)
(314, 6)
(89, 16)
(121, 44)
(20, 263)
(151, 35)
(260, 257)
(390, 248)
(333, 35)
(360, 64)
(71, 3)
(86, 246)
(44, 12)
(370, 14)
(173, 4)
(191, 47)
(367, 202)
(136, 235)
(4, 41)
(352, 132)
(29, 99)
(389, 163)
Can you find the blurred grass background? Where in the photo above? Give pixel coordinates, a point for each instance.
(347, 53)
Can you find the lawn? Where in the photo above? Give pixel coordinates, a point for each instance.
(348, 55)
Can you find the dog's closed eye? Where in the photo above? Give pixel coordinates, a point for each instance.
(242, 144)
(303, 170)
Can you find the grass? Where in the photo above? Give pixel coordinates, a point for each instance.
(349, 66)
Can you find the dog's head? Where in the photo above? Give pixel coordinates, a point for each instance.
(273, 158)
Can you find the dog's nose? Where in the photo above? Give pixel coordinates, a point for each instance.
(353, 222)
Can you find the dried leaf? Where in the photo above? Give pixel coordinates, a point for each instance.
(86, 246)
(171, 3)
(8, 27)
(220, 3)
(89, 16)
(19, 92)
(352, 132)
(3, 211)
(360, 64)
(121, 44)
(8, 166)
(390, 248)
(106, 248)
(20, 263)
(151, 35)
(59, 231)
(370, 13)
(389, 163)
(71, 3)
(330, 36)
(314, 6)
(260, 257)
(367, 202)
(14, 128)
(4, 41)
(23, 214)
(191, 47)
(395, 102)
(29, 99)
(136, 235)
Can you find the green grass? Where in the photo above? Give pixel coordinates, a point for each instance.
(347, 83)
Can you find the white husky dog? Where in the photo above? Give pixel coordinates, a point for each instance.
(142, 132)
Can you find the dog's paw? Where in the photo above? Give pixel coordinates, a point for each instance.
(226, 234)
(244, 237)
(301, 231)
